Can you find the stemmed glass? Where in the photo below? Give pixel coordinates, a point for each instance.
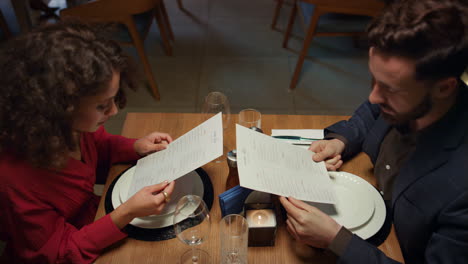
(214, 103)
(192, 226)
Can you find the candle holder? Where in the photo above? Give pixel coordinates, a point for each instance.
(262, 223)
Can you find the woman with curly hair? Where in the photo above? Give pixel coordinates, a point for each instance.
(59, 85)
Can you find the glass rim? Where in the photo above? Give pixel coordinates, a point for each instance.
(201, 202)
(250, 110)
(214, 94)
(235, 215)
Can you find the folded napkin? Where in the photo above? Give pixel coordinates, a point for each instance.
(232, 200)
(306, 133)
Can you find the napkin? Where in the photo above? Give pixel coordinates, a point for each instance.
(232, 200)
(308, 133)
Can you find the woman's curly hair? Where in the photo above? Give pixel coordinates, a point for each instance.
(44, 74)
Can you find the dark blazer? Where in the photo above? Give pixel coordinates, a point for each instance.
(430, 195)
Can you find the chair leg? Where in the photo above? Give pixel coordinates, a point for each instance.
(166, 20)
(162, 30)
(292, 18)
(279, 4)
(144, 59)
(305, 48)
(179, 3)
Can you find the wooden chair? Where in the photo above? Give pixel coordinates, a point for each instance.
(136, 17)
(4, 26)
(180, 4)
(279, 5)
(369, 8)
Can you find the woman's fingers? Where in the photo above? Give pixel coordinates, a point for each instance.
(170, 188)
(156, 188)
(162, 137)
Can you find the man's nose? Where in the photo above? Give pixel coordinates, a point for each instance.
(376, 95)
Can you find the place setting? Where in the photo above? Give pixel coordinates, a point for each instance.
(158, 227)
(247, 202)
(359, 207)
(347, 198)
(177, 162)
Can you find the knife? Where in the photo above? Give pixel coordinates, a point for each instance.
(296, 138)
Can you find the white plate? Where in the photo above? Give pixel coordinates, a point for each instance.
(191, 183)
(377, 220)
(355, 203)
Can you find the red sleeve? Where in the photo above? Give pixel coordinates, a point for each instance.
(114, 148)
(38, 234)
(111, 149)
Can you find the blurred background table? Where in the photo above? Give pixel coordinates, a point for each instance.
(286, 249)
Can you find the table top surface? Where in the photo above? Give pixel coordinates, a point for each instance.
(286, 249)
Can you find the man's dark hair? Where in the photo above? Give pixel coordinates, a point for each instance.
(434, 33)
(44, 74)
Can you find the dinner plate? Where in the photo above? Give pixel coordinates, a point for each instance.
(355, 204)
(375, 223)
(190, 183)
(185, 185)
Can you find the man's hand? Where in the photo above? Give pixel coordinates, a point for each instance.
(308, 224)
(328, 151)
(153, 142)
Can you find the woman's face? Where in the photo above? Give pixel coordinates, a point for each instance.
(93, 111)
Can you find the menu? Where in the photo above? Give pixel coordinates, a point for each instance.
(194, 149)
(269, 165)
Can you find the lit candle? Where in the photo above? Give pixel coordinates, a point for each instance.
(261, 218)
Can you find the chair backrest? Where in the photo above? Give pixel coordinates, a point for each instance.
(110, 10)
(4, 26)
(355, 7)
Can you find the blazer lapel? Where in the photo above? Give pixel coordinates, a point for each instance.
(434, 146)
(425, 159)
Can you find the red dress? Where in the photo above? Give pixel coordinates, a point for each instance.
(47, 216)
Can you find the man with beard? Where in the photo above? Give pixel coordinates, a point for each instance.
(414, 128)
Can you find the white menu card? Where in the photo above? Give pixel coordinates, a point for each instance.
(197, 147)
(269, 165)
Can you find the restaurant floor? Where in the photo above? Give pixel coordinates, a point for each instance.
(229, 46)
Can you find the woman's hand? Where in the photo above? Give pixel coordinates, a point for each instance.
(328, 151)
(148, 201)
(153, 142)
(308, 224)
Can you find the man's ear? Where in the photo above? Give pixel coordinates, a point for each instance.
(445, 88)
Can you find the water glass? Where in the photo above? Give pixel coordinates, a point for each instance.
(216, 102)
(250, 118)
(234, 235)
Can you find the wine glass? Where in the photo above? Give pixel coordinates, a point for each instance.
(192, 226)
(214, 103)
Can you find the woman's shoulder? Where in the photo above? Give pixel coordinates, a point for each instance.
(15, 170)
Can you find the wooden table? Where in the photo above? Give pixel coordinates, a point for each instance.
(286, 249)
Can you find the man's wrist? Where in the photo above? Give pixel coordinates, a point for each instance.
(341, 241)
(331, 136)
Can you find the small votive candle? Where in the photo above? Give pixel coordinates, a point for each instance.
(262, 226)
(261, 218)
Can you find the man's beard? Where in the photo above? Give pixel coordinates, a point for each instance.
(403, 119)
